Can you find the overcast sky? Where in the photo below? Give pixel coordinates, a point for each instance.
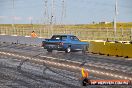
(76, 12)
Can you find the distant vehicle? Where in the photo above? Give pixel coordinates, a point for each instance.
(67, 43)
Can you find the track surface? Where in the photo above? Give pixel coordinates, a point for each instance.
(32, 75)
(114, 64)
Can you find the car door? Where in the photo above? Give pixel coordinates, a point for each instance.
(75, 43)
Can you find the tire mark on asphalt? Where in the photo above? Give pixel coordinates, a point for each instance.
(38, 78)
(21, 47)
(99, 62)
(89, 60)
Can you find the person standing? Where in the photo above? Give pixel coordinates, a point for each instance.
(33, 35)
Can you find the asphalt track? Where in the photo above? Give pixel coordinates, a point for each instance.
(32, 76)
(9, 73)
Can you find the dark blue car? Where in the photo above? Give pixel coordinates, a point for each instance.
(65, 43)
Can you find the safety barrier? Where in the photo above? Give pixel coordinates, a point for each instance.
(127, 50)
(111, 48)
(95, 47)
(114, 49)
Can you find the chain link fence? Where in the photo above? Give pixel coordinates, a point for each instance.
(83, 34)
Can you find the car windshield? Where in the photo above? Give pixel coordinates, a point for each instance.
(74, 38)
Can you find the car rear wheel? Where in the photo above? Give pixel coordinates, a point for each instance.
(49, 50)
(68, 50)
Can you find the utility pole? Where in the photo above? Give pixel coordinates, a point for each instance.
(115, 18)
(46, 16)
(13, 16)
(52, 16)
(63, 11)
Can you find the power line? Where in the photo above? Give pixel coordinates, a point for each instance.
(53, 16)
(46, 15)
(63, 11)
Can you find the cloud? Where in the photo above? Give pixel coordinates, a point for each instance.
(2, 17)
(16, 18)
(30, 18)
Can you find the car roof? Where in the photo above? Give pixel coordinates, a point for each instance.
(63, 35)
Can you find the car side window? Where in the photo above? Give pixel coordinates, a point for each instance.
(74, 38)
(63, 37)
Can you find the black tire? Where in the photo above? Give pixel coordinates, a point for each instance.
(49, 50)
(85, 48)
(68, 50)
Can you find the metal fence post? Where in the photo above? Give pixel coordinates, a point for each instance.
(131, 35)
(122, 33)
(107, 34)
(92, 35)
(0, 29)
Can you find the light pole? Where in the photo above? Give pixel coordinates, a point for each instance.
(52, 17)
(115, 18)
(46, 16)
(13, 16)
(63, 11)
